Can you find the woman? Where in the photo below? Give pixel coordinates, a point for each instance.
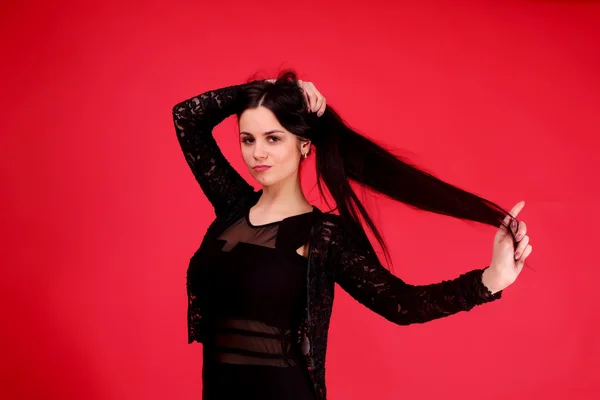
(260, 287)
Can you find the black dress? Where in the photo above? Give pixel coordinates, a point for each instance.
(254, 297)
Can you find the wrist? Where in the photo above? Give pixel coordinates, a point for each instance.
(490, 281)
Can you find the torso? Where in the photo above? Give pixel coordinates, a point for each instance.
(253, 282)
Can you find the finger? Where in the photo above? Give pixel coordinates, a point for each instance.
(321, 101)
(521, 261)
(526, 253)
(514, 212)
(315, 97)
(323, 107)
(517, 208)
(521, 230)
(520, 250)
(306, 99)
(318, 103)
(313, 100)
(302, 86)
(314, 89)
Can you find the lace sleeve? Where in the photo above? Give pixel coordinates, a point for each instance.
(361, 275)
(194, 121)
(194, 317)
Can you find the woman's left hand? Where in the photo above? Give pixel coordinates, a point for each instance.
(507, 262)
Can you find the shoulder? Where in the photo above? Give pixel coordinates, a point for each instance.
(330, 227)
(335, 234)
(328, 219)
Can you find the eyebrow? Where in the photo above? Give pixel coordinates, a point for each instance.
(264, 133)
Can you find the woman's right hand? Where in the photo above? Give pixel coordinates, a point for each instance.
(315, 102)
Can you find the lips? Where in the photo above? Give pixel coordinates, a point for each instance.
(261, 168)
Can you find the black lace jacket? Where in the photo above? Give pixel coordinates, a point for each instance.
(332, 255)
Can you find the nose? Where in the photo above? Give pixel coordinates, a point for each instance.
(258, 151)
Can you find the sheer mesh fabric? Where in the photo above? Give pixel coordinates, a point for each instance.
(237, 340)
(241, 341)
(241, 231)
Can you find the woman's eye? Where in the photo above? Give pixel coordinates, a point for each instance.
(250, 140)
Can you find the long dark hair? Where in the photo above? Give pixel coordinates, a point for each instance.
(342, 154)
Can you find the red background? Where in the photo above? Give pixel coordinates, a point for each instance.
(100, 213)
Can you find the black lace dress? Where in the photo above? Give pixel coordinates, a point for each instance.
(254, 297)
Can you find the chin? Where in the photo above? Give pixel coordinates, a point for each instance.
(266, 180)
(263, 180)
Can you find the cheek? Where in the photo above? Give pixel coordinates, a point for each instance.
(246, 154)
(287, 155)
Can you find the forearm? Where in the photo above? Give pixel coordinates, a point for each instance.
(194, 121)
(203, 112)
(428, 302)
(405, 304)
(361, 275)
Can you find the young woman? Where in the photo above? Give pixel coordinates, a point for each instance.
(260, 286)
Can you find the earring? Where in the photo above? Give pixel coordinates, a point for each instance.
(305, 154)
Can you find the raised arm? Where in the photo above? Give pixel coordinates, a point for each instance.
(360, 274)
(194, 121)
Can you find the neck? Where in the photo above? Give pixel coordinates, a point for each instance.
(284, 197)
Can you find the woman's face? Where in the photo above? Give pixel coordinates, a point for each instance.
(263, 141)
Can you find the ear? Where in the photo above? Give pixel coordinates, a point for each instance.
(305, 145)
